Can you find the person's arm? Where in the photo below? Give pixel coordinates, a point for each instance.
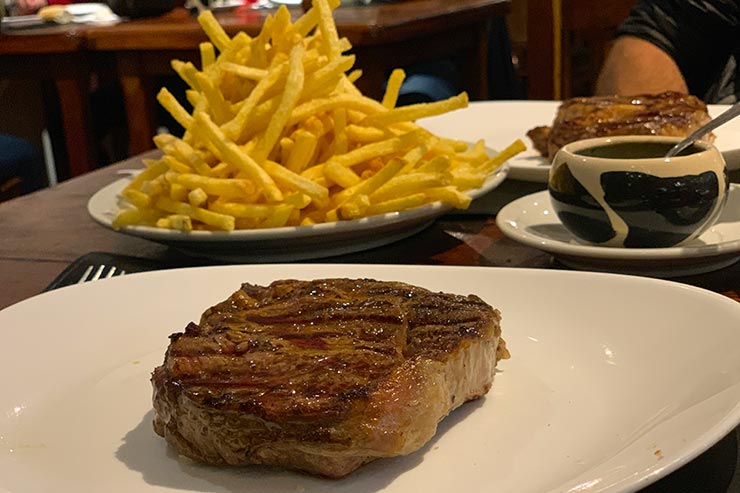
(26, 7)
(635, 66)
(664, 41)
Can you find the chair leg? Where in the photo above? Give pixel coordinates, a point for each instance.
(11, 189)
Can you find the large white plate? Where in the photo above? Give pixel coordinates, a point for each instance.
(502, 122)
(80, 9)
(287, 243)
(531, 220)
(606, 395)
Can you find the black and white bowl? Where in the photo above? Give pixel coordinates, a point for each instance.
(622, 192)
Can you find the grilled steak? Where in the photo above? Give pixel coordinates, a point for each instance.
(668, 113)
(323, 376)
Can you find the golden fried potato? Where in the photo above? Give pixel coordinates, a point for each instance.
(279, 135)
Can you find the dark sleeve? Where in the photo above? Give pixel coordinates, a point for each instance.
(699, 35)
(141, 8)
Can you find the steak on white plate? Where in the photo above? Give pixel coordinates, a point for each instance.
(666, 114)
(323, 376)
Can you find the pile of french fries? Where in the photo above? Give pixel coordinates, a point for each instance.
(279, 135)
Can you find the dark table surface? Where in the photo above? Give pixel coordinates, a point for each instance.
(44, 235)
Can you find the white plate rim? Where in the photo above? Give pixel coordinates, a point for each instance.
(492, 120)
(630, 483)
(100, 207)
(79, 9)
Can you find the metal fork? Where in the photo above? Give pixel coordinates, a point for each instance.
(93, 273)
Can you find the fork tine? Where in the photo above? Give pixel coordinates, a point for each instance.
(98, 273)
(93, 274)
(85, 274)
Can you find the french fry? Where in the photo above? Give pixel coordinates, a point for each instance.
(355, 208)
(328, 29)
(376, 149)
(296, 182)
(308, 21)
(321, 105)
(280, 135)
(231, 153)
(168, 101)
(341, 175)
(207, 55)
(235, 127)
(187, 72)
(293, 88)
(279, 217)
(438, 164)
(408, 184)
(371, 184)
(340, 137)
(251, 73)
(197, 197)
(324, 80)
(510, 151)
(153, 170)
(222, 187)
(399, 204)
(213, 30)
(238, 210)
(214, 97)
(174, 165)
(304, 148)
(215, 219)
(178, 192)
(181, 222)
(184, 153)
(137, 197)
(364, 135)
(136, 217)
(450, 195)
(390, 98)
(415, 111)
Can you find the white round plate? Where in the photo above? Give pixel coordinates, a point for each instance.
(287, 243)
(78, 9)
(595, 398)
(531, 220)
(502, 122)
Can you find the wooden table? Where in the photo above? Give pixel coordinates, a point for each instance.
(384, 35)
(42, 233)
(56, 56)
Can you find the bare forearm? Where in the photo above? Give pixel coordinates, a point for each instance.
(26, 7)
(635, 66)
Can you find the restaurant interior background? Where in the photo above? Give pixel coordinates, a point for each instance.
(526, 68)
(50, 240)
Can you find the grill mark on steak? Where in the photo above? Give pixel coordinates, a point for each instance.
(324, 375)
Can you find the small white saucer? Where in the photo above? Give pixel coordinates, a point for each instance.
(532, 221)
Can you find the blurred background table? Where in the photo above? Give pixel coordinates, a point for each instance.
(56, 56)
(138, 53)
(384, 36)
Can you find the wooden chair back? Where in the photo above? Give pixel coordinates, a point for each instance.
(567, 41)
(11, 189)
